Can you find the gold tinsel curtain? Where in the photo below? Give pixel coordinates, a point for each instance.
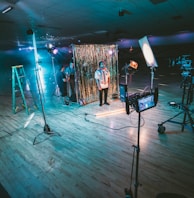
(86, 58)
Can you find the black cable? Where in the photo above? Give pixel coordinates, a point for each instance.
(85, 118)
(86, 114)
(111, 127)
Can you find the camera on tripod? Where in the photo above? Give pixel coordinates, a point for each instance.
(185, 64)
(187, 85)
(187, 70)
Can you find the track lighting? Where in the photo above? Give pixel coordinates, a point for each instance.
(7, 9)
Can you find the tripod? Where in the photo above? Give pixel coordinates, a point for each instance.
(187, 98)
(47, 129)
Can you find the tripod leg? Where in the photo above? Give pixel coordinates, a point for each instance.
(191, 120)
(184, 121)
(188, 101)
(187, 113)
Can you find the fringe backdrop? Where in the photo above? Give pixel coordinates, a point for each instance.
(86, 59)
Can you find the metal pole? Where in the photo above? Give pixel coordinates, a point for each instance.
(137, 157)
(46, 128)
(57, 92)
(152, 78)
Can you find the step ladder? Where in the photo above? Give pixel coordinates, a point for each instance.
(19, 87)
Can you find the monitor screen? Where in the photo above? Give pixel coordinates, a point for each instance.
(145, 103)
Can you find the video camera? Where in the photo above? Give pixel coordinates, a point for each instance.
(141, 101)
(185, 64)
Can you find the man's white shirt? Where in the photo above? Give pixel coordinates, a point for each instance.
(103, 75)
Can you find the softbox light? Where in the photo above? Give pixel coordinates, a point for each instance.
(147, 52)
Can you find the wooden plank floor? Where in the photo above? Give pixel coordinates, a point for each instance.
(93, 155)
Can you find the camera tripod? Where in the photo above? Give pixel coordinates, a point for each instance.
(187, 98)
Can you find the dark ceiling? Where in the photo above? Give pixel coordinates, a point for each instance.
(65, 22)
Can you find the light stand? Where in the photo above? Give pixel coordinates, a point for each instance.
(126, 74)
(152, 78)
(128, 192)
(47, 129)
(137, 156)
(46, 126)
(140, 103)
(130, 69)
(149, 56)
(56, 91)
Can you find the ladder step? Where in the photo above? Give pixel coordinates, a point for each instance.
(18, 82)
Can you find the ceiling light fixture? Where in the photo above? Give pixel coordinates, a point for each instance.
(7, 9)
(51, 49)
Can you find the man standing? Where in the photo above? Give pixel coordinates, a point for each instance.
(62, 83)
(102, 76)
(70, 73)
